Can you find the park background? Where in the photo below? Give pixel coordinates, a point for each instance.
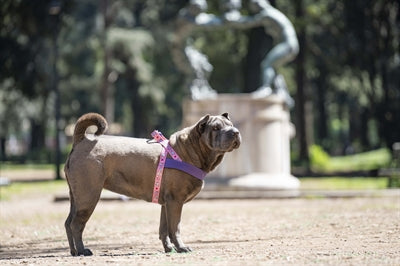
(61, 59)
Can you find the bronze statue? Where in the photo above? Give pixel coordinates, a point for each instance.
(282, 31)
(276, 24)
(189, 60)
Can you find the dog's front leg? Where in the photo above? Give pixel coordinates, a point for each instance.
(163, 231)
(173, 212)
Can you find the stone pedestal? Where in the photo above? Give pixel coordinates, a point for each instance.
(263, 159)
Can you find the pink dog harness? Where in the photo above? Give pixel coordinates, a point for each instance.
(174, 163)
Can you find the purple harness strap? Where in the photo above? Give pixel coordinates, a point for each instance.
(174, 163)
(185, 167)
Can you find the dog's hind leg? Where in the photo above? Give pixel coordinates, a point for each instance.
(163, 231)
(68, 226)
(83, 209)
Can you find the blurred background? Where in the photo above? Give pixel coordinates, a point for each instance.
(61, 59)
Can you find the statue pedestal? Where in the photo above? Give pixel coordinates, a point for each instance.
(263, 159)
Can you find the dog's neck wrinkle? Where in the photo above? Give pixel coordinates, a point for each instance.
(184, 143)
(217, 160)
(211, 158)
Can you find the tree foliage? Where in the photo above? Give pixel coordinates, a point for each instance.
(348, 86)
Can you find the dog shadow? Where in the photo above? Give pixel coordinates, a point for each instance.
(36, 249)
(226, 241)
(33, 249)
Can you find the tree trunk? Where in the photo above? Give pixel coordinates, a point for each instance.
(107, 95)
(37, 135)
(364, 118)
(136, 103)
(388, 117)
(3, 154)
(301, 93)
(354, 121)
(322, 116)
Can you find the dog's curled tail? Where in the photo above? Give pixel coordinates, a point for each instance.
(85, 121)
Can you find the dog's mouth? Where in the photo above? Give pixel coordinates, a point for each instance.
(235, 144)
(236, 141)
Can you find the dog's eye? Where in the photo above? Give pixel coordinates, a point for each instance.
(216, 128)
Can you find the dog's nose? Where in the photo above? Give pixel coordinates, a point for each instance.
(235, 137)
(234, 132)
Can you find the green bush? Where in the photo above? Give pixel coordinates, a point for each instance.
(319, 159)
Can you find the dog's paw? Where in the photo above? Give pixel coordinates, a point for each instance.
(169, 249)
(86, 252)
(73, 252)
(183, 249)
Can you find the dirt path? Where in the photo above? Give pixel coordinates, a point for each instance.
(358, 231)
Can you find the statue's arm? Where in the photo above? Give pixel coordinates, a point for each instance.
(245, 22)
(208, 20)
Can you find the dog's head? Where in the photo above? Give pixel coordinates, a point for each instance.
(218, 133)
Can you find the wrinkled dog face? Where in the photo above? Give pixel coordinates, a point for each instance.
(218, 133)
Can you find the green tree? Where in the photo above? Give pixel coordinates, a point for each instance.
(346, 76)
(25, 30)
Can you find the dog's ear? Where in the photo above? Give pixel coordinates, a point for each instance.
(201, 125)
(226, 115)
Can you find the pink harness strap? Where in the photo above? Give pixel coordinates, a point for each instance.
(159, 137)
(174, 163)
(158, 178)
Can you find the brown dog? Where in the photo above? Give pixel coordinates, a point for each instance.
(128, 166)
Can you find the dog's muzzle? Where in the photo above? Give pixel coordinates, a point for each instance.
(235, 136)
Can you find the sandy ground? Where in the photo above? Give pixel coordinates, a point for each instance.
(357, 231)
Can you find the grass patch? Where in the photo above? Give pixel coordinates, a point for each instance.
(342, 183)
(366, 161)
(18, 167)
(32, 189)
(363, 161)
(37, 189)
